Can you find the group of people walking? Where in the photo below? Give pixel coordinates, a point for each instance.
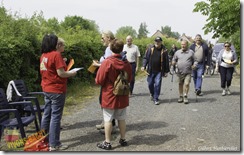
(189, 62)
(157, 63)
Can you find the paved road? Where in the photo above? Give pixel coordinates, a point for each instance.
(211, 124)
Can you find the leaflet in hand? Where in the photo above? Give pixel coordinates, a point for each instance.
(76, 69)
(227, 61)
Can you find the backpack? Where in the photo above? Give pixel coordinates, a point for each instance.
(121, 84)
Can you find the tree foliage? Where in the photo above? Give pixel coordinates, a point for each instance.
(77, 21)
(21, 43)
(19, 49)
(142, 32)
(167, 31)
(124, 31)
(223, 16)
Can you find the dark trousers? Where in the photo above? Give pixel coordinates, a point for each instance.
(226, 76)
(132, 83)
(100, 101)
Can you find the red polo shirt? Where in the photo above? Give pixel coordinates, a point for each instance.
(51, 82)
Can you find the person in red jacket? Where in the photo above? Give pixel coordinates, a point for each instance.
(114, 106)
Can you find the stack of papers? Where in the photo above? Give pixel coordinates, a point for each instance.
(227, 61)
(76, 69)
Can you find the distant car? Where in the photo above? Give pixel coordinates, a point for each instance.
(217, 48)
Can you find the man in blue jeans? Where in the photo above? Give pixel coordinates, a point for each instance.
(156, 61)
(200, 50)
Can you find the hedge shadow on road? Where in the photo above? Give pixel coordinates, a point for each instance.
(81, 124)
(146, 125)
(210, 92)
(135, 126)
(150, 139)
(93, 136)
(202, 100)
(90, 137)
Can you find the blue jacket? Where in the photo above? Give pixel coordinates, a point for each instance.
(164, 60)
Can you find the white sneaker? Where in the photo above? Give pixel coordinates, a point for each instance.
(100, 126)
(224, 92)
(228, 91)
(156, 102)
(58, 148)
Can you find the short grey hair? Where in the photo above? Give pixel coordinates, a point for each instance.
(60, 41)
(109, 34)
(129, 37)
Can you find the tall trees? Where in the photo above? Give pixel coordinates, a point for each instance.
(142, 32)
(124, 31)
(167, 31)
(79, 22)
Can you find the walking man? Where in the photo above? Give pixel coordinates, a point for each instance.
(200, 50)
(184, 58)
(156, 61)
(132, 55)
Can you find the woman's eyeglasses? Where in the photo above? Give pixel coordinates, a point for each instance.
(227, 46)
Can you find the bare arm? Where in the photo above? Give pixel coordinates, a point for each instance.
(65, 74)
(137, 63)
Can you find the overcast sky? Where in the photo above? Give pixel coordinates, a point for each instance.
(113, 14)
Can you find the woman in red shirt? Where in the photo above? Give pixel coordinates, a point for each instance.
(54, 84)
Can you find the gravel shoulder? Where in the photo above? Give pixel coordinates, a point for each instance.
(210, 124)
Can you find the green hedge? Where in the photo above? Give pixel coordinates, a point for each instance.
(21, 42)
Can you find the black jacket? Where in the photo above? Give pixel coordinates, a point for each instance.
(164, 60)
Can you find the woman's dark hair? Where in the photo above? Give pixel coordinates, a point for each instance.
(49, 43)
(117, 46)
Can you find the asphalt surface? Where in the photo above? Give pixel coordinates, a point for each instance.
(212, 123)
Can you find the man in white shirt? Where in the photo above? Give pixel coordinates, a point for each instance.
(132, 55)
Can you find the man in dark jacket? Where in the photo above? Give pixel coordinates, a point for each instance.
(200, 50)
(156, 61)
